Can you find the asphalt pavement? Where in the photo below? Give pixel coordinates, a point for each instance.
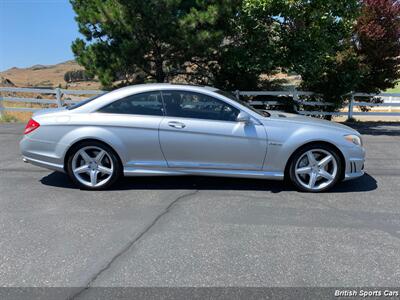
(200, 231)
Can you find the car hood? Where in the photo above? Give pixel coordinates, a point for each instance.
(300, 119)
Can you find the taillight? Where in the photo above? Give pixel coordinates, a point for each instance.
(31, 126)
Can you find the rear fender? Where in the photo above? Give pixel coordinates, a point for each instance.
(92, 133)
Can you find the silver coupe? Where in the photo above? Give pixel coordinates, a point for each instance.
(167, 129)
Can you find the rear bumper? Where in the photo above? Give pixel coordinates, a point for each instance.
(41, 153)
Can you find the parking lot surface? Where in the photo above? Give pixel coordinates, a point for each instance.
(200, 231)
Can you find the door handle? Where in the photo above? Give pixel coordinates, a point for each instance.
(175, 124)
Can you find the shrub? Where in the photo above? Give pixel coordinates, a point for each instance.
(77, 75)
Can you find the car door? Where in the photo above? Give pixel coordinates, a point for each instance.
(200, 131)
(135, 120)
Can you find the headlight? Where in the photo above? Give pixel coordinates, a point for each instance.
(355, 139)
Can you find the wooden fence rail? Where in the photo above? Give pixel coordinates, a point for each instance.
(300, 99)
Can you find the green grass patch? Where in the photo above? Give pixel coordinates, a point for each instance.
(396, 89)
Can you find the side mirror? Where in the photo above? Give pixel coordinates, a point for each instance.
(243, 117)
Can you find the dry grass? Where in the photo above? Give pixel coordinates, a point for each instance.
(24, 116)
(41, 76)
(7, 118)
(47, 76)
(16, 116)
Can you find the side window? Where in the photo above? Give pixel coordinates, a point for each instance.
(199, 106)
(139, 104)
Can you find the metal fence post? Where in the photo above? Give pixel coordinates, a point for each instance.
(58, 97)
(295, 99)
(237, 94)
(1, 106)
(350, 114)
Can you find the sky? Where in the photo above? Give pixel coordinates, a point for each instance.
(36, 32)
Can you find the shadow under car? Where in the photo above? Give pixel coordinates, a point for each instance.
(61, 180)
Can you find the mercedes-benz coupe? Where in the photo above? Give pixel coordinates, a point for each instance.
(168, 129)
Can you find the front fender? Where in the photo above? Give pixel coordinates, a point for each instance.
(284, 141)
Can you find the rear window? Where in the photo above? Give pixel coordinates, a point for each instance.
(149, 103)
(79, 104)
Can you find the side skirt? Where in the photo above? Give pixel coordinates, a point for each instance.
(129, 171)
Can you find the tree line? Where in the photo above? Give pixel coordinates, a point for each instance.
(77, 75)
(336, 46)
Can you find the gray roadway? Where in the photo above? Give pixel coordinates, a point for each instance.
(200, 231)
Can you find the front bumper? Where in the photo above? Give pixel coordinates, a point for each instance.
(355, 163)
(355, 169)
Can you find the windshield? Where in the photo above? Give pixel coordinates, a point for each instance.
(232, 97)
(83, 102)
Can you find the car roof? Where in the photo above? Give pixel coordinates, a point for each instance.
(161, 86)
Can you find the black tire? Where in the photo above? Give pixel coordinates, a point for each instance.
(300, 152)
(117, 167)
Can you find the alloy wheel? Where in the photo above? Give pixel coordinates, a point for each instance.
(92, 166)
(316, 169)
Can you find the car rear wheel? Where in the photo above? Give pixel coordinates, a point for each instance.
(93, 166)
(315, 168)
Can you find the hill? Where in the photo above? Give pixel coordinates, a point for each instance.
(46, 76)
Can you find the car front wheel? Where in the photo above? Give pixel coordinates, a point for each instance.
(315, 168)
(93, 165)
